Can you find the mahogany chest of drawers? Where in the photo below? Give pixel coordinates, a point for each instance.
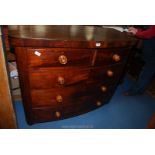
(66, 71)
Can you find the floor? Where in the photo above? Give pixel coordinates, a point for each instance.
(122, 112)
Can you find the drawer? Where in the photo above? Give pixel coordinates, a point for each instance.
(86, 104)
(59, 57)
(70, 95)
(108, 73)
(111, 56)
(46, 78)
(100, 88)
(57, 96)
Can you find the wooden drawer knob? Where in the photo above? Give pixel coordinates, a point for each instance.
(110, 73)
(61, 80)
(59, 98)
(57, 114)
(116, 57)
(98, 103)
(103, 88)
(63, 59)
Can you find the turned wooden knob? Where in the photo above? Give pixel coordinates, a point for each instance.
(110, 73)
(103, 88)
(63, 59)
(116, 57)
(57, 114)
(98, 103)
(61, 80)
(59, 98)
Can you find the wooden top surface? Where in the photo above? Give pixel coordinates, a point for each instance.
(65, 33)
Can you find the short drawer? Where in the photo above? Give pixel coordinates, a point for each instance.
(46, 78)
(101, 88)
(111, 56)
(59, 57)
(109, 73)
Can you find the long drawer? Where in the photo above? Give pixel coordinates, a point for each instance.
(75, 57)
(70, 95)
(84, 105)
(46, 78)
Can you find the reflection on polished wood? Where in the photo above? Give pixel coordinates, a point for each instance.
(68, 36)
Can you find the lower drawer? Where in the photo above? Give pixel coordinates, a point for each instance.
(57, 96)
(62, 112)
(70, 95)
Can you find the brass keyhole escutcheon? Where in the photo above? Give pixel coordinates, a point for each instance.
(63, 59)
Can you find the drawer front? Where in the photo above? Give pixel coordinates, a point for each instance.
(57, 96)
(108, 73)
(69, 95)
(59, 57)
(86, 104)
(110, 57)
(46, 78)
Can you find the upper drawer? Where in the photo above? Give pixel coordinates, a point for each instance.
(111, 56)
(107, 73)
(59, 57)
